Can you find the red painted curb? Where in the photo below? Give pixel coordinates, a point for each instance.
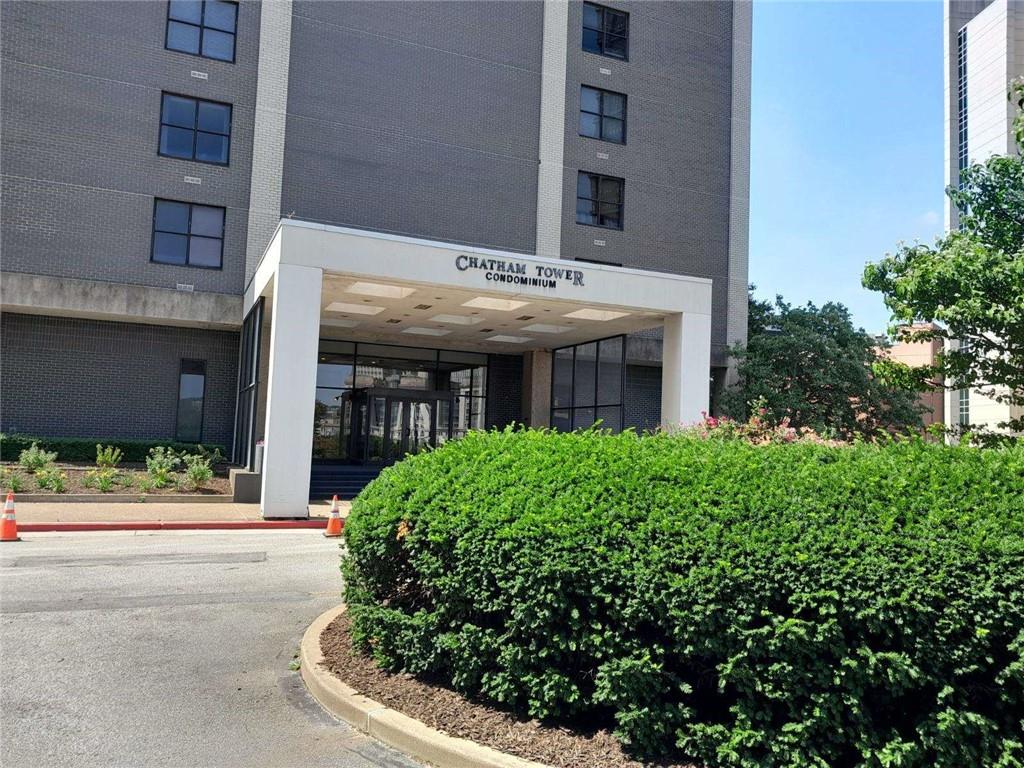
(174, 525)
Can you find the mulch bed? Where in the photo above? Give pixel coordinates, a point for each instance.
(219, 484)
(447, 711)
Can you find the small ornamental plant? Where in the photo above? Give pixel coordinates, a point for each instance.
(51, 479)
(197, 471)
(161, 464)
(12, 481)
(103, 479)
(108, 456)
(741, 600)
(34, 458)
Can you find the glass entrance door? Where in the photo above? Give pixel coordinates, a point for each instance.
(389, 424)
(418, 426)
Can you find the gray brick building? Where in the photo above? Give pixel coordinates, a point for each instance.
(151, 152)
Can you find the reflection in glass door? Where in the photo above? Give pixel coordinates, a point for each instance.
(418, 426)
(396, 428)
(375, 436)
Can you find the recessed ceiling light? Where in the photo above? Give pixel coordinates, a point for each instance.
(426, 331)
(423, 306)
(502, 305)
(340, 323)
(525, 317)
(596, 314)
(394, 321)
(457, 319)
(544, 328)
(486, 330)
(384, 290)
(509, 339)
(355, 309)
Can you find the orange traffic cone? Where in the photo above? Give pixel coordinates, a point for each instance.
(333, 522)
(9, 527)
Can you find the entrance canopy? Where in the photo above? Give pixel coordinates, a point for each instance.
(320, 281)
(379, 287)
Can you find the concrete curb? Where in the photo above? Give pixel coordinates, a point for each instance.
(173, 525)
(384, 724)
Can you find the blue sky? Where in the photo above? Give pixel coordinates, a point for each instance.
(846, 145)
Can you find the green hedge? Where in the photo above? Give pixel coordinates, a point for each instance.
(780, 605)
(84, 449)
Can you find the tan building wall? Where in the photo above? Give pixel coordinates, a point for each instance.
(917, 354)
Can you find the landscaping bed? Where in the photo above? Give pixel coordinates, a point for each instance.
(445, 710)
(704, 598)
(168, 472)
(131, 481)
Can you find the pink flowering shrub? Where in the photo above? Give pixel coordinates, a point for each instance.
(757, 429)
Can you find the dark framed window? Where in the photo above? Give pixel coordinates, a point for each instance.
(587, 385)
(599, 200)
(195, 129)
(188, 234)
(243, 447)
(603, 114)
(202, 27)
(605, 31)
(191, 393)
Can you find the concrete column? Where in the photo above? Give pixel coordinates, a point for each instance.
(551, 145)
(537, 388)
(685, 369)
(291, 391)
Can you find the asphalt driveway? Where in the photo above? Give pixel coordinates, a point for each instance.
(167, 649)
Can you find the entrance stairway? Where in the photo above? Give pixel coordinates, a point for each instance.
(346, 480)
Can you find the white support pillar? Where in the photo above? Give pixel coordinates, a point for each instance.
(685, 369)
(291, 391)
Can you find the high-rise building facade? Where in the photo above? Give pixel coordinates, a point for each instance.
(354, 229)
(984, 52)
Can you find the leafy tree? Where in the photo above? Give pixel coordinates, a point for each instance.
(971, 282)
(811, 366)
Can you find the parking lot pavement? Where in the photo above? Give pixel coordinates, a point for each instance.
(167, 649)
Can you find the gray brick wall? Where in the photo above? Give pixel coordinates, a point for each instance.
(65, 377)
(416, 118)
(81, 103)
(676, 161)
(504, 390)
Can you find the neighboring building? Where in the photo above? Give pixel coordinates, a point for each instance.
(355, 229)
(918, 354)
(984, 51)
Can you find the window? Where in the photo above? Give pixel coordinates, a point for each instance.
(964, 408)
(603, 114)
(243, 447)
(605, 31)
(194, 129)
(202, 27)
(599, 200)
(191, 389)
(587, 382)
(188, 234)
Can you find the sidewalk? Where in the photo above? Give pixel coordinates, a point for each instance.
(46, 516)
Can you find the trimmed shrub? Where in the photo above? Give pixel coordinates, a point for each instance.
(84, 449)
(743, 605)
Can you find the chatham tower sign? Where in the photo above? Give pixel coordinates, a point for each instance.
(518, 273)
